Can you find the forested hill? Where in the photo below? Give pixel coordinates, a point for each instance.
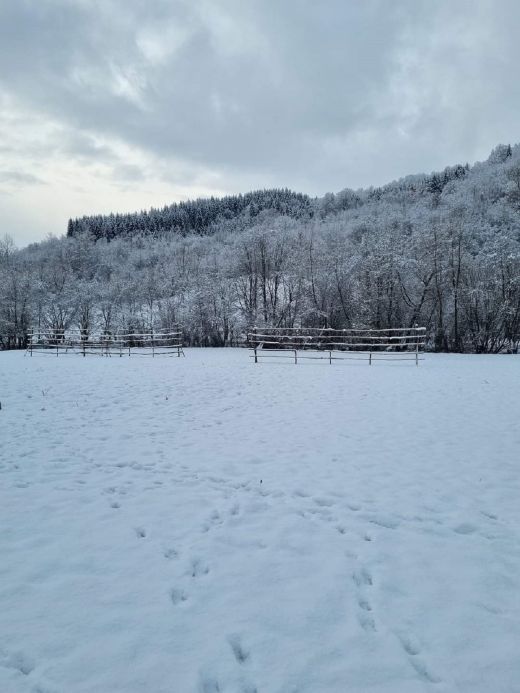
(425, 192)
(441, 250)
(195, 216)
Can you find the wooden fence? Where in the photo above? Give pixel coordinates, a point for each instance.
(59, 342)
(396, 344)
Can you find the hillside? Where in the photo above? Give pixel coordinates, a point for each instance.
(492, 181)
(441, 250)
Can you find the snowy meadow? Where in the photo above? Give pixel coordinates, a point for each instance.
(208, 525)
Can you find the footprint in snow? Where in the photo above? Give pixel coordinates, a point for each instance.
(364, 604)
(424, 672)
(213, 521)
(198, 568)
(410, 644)
(178, 596)
(367, 622)
(239, 651)
(140, 532)
(465, 528)
(170, 553)
(491, 516)
(209, 685)
(324, 502)
(362, 577)
(17, 660)
(384, 521)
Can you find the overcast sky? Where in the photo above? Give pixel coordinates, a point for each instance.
(118, 105)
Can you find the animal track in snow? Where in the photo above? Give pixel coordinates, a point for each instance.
(362, 577)
(410, 644)
(140, 532)
(412, 648)
(178, 596)
(324, 502)
(364, 604)
(424, 672)
(384, 521)
(198, 568)
(491, 516)
(465, 528)
(170, 553)
(239, 652)
(17, 660)
(213, 521)
(367, 622)
(209, 685)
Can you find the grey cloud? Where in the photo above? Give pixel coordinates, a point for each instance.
(19, 177)
(128, 172)
(312, 95)
(83, 147)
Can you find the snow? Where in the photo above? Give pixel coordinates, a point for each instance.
(210, 525)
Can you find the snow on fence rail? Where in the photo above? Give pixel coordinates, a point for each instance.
(393, 344)
(57, 342)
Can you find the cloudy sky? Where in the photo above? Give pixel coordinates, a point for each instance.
(118, 105)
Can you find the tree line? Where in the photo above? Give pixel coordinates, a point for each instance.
(194, 216)
(440, 251)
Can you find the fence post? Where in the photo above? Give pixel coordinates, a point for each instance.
(330, 358)
(256, 355)
(370, 359)
(295, 357)
(31, 338)
(417, 353)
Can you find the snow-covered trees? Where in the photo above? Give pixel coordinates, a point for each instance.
(15, 296)
(194, 216)
(440, 250)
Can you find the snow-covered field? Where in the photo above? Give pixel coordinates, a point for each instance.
(208, 525)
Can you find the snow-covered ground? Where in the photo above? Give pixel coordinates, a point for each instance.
(208, 525)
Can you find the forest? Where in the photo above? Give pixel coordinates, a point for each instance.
(440, 250)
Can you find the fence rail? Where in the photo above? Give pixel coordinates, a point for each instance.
(69, 342)
(393, 344)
